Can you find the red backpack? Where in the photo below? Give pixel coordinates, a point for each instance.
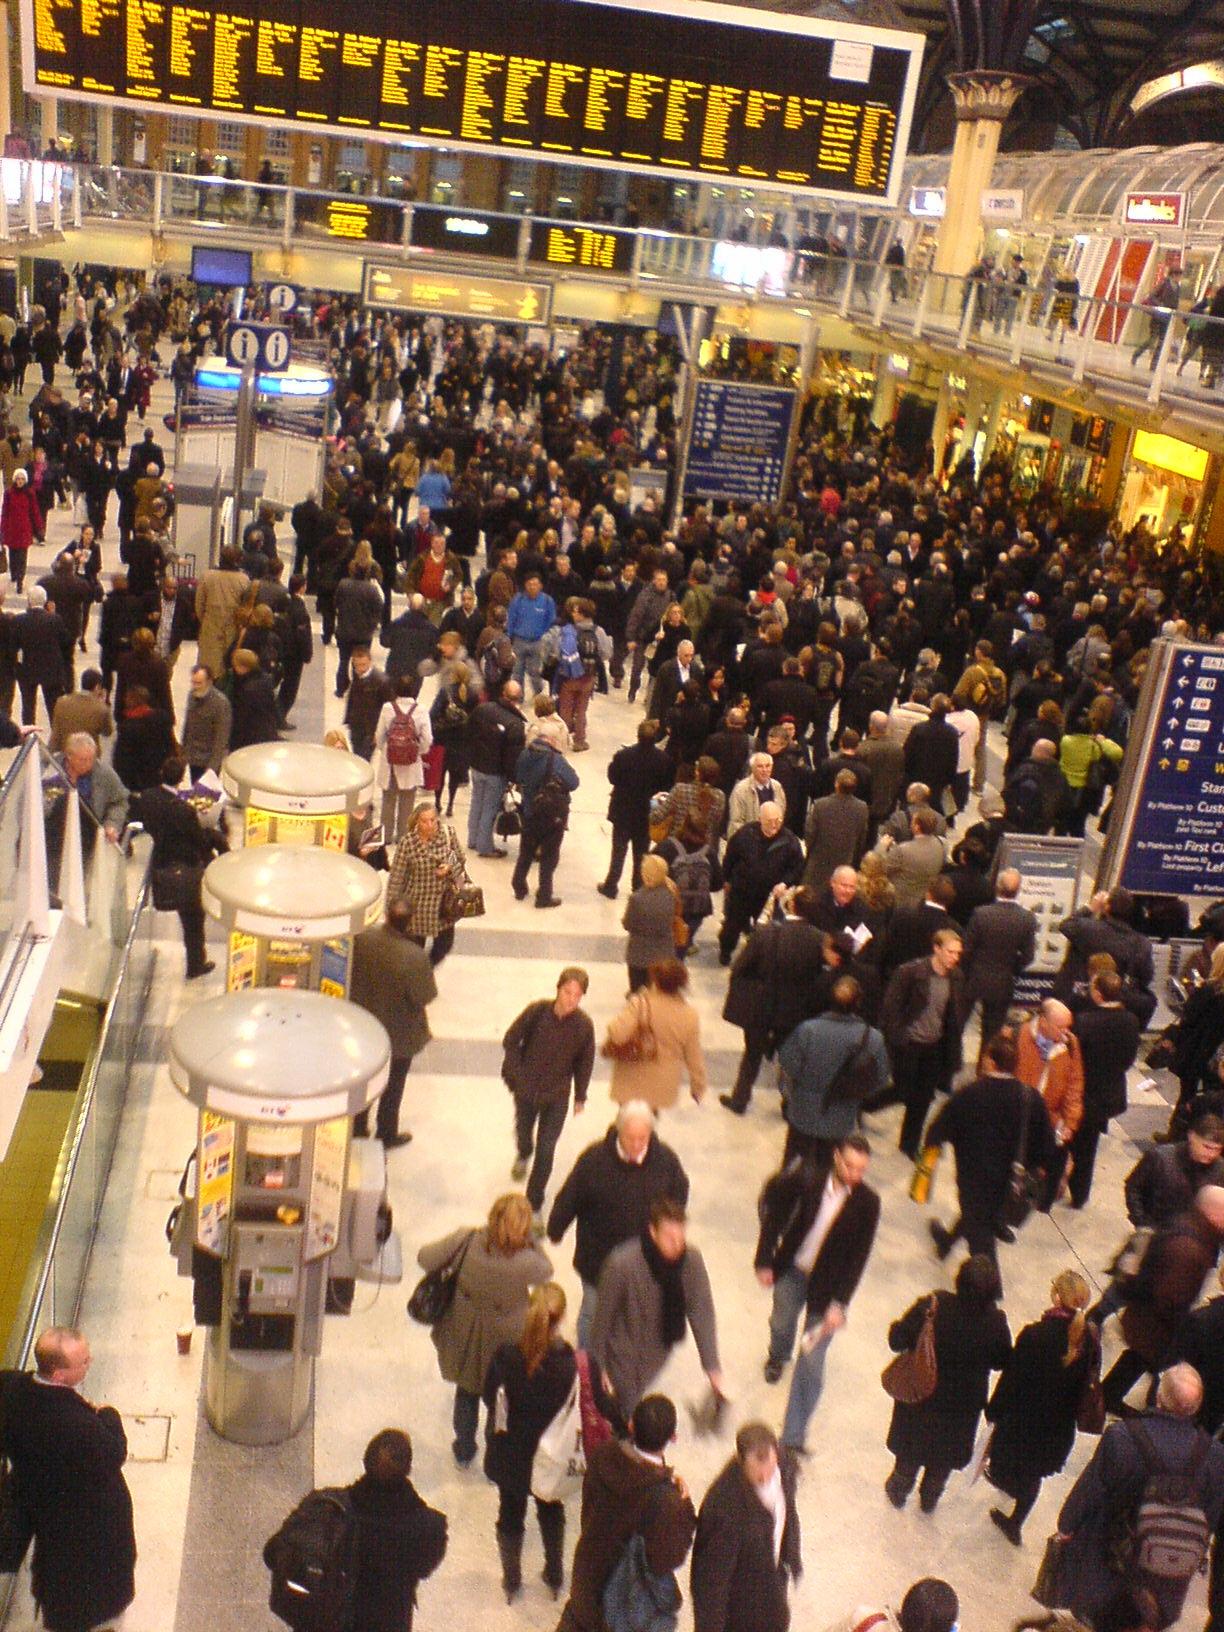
(403, 741)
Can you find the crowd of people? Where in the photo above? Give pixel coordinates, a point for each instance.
(848, 701)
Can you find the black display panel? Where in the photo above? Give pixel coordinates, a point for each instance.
(228, 268)
(465, 232)
(568, 245)
(710, 91)
(354, 220)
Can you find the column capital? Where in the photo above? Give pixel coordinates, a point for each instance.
(987, 93)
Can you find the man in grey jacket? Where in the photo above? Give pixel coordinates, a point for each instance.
(393, 980)
(1000, 943)
(359, 608)
(649, 1290)
(206, 724)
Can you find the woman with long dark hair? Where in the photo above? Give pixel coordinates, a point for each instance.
(527, 1384)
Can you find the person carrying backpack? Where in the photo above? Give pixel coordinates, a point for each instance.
(581, 666)
(1145, 1508)
(695, 871)
(352, 1557)
(637, 1526)
(402, 738)
(546, 780)
(983, 688)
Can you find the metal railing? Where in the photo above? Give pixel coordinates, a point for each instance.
(56, 1279)
(1078, 335)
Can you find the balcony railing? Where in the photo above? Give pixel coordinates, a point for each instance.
(1077, 336)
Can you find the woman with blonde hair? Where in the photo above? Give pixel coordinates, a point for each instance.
(428, 858)
(548, 724)
(499, 1267)
(527, 1384)
(650, 917)
(874, 884)
(1037, 1399)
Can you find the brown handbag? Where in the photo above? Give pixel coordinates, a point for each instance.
(639, 1048)
(910, 1377)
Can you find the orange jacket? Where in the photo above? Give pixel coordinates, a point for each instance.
(1063, 1088)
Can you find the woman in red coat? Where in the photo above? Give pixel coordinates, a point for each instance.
(21, 522)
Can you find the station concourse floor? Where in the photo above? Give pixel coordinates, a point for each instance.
(204, 1508)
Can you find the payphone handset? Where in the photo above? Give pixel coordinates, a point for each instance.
(267, 1268)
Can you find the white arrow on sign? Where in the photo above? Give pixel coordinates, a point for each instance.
(1183, 681)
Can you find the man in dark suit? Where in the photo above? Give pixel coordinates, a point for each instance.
(67, 1457)
(818, 1224)
(836, 831)
(932, 750)
(766, 1003)
(394, 981)
(180, 842)
(44, 648)
(1000, 943)
(983, 1123)
(748, 1546)
(636, 773)
(920, 1019)
(911, 930)
(671, 679)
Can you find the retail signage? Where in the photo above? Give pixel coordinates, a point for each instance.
(929, 203)
(1170, 822)
(1007, 205)
(1155, 209)
(737, 447)
(455, 294)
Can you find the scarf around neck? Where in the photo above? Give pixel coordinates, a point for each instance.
(668, 1276)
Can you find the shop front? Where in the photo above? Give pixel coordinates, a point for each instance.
(1165, 483)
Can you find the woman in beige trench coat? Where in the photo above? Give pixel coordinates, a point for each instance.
(677, 1031)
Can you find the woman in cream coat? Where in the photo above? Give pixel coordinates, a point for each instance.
(677, 1032)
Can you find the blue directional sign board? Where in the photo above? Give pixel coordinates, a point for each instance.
(737, 450)
(1176, 841)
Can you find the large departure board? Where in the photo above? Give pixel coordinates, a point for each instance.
(688, 88)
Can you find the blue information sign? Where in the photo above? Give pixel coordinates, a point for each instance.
(738, 445)
(1176, 842)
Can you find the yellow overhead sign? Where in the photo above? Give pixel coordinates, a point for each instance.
(455, 294)
(1168, 453)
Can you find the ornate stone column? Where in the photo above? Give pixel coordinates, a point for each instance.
(983, 98)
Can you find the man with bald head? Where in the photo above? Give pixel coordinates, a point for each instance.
(1000, 942)
(762, 859)
(1049, 1059)
(1113, 1483)
(67, 1457)
(609, 1194)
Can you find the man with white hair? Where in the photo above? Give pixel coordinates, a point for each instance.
(609, 1194)
(760, 787)
(1168, 1545)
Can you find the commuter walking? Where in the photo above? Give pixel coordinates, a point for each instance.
(498, 1269)
(527, 1384)
(549, 1049)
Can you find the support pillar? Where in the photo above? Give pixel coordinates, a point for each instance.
(983, 101)
(884, 404)
(48, 110)
(6, 74)
(1115, 465)
(939, 427)
(106, 134)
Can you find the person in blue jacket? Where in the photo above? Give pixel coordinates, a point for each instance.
(546, 780)
(531, 614)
